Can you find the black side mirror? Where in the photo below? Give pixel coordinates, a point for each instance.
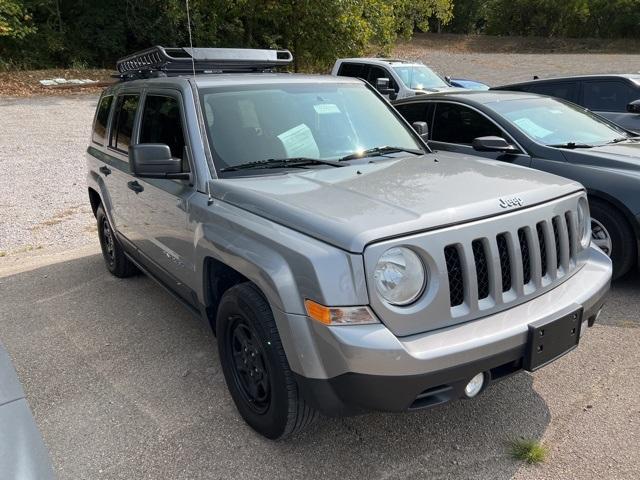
(422, 129)
(493, 144)
(382, 85)
(634, 107)
(154, 160)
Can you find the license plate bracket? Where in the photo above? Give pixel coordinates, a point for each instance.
(549, 340)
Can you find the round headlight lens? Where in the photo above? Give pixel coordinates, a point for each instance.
(399, 276)
(584, 223)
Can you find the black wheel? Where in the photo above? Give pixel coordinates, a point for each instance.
(612, 233)
(255, 365)
(117, 262)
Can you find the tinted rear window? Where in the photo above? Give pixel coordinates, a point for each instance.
(102, 116)
(565, 90)
(350, 70)
(122, 123)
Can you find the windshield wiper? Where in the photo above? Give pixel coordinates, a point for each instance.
(571, 145)
(620, 139)
(281, 163)
(378, 151)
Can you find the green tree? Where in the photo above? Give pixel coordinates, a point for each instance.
(15, 22)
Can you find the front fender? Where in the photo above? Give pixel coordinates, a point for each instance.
(286, 265)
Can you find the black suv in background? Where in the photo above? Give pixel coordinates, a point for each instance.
(615, 97)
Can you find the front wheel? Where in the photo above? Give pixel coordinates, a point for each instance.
(255, 366)
(612, 233)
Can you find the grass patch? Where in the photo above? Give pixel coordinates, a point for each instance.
(528, 450)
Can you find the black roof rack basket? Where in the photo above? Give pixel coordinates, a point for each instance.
(182, 61)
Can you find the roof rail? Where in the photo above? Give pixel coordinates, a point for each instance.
(161, 61)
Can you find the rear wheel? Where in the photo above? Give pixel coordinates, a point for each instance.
(612, 233)
(114, 257)
(255, 366)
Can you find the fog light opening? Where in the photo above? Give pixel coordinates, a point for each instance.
(474, 386)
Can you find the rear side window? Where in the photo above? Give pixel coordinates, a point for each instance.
(564, 90)
(607, 96)
(350, 70)
(102, 116)
(123, 120)
(162, 123)
(459, 124)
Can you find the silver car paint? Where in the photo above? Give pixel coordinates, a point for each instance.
(281, 233)
(389, 198)
(23, 454)
(375, 350)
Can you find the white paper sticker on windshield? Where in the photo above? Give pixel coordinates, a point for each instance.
(532, 128)
(325, 108)
(299, 142)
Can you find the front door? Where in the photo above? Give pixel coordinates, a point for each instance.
(610, 98)
(158, 208)
(455, 126)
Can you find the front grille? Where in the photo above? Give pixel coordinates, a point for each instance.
(454, 268)
(525, 265)
(505, 261)
(526, 259)
(482, 269)
(556, 238)
(543, 248)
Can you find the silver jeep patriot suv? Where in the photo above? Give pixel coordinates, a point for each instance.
(342, 265)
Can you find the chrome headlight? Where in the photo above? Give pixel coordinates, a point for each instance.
(584, 223)
(399, 276)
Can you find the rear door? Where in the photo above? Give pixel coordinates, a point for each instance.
(610, 98)
(158, 208)
(123, 121)
(455, 126)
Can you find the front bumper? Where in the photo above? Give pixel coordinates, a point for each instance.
(343, 370)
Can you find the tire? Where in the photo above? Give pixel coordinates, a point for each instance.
(611, 231)
(248, 345)
(114, 257)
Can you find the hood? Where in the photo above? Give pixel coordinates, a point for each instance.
(622, 156)
(353, 206)
(438, 90)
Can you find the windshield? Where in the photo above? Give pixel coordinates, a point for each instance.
(311, 121)
(552, 122)
(419, 77)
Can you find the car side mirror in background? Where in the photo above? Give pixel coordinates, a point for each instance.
(154, 160)
(634, 107)
(382, 85)
(422, 129)
(493, 144)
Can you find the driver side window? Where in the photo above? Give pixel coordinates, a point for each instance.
(458, 124)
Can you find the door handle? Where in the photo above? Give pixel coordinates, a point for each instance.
(135, 186)
(104, 169)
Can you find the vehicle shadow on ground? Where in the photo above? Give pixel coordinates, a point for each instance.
(124, 381)
(624, 298)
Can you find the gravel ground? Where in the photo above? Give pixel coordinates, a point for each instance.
(125, 384)
(43, 197)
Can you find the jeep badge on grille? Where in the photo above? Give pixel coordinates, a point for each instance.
(511, 202)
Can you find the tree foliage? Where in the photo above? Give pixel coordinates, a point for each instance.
(95, 33)
(548, 18)
(15, 22)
